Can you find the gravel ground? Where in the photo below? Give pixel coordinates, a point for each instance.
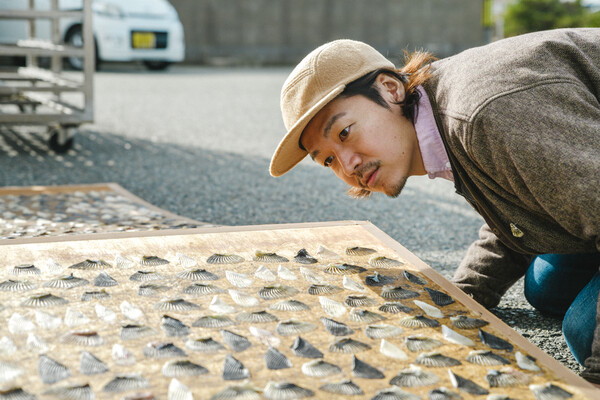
(200, 147)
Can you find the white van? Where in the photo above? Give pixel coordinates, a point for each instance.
(124, 30)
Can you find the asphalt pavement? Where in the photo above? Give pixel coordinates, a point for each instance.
(197, 141)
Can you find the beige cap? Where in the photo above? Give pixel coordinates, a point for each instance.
(319, 78)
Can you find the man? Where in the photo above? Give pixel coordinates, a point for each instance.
(515, 124)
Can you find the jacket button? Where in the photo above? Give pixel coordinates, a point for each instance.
(516, 232)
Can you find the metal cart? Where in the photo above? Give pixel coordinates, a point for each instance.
(32, 95)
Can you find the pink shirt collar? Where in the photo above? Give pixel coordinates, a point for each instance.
(432, 148)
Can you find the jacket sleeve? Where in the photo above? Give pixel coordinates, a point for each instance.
(489, 269)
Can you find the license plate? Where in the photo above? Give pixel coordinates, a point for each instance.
(143, 40)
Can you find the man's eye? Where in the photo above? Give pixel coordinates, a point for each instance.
(328, 161)
(344, 133)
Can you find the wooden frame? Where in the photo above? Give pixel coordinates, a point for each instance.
(285, 237)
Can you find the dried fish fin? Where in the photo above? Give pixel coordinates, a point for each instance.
(104, 280)
(395, 307)
(439, 298)
(89, 364)
(245, 392)
(125, 382)
(122, 356)
(455, 337)
(390, 350)
(343, 269)
(174, 327)
(344, 388)
(243, 299)
(349, 284)
(361, 369)
(266, 337)
(289, 305)
(413, 278)
(464, 322)
(303, 257)
(285, 390)
(526, 362)
(486, 358)
(265, 274)
(359, 251)
(234, 370)
(436, 360)
(494, 341)
(384, 262)
(186, 261)
(336, 328)
(256, 317)
(382, 331)
(238, 279)
(418, 321)
(466, 385)
(286, 273)
(365, 316)
(265, 257)
(152, 261)
(348, 346)
(316, 289)
(414, 377)
(204, 345)
(218, 258)
(294, 327)
(324, 252)
(332, 307)
(197, 274)
(276, 292)
(378, 279)
(35, 344)
(69, 392)
(237, 343)
(51, 371)
(428, 309)
(303, 348)
(549, 391)
(179, 391)
(416, 343)
(275, 360)
(506, 377)
(394, 393)
(320, 368)
(397, 293)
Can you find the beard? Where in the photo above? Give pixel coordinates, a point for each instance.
(397, 188)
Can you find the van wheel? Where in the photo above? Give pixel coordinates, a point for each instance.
(74, 37)
(156, 65)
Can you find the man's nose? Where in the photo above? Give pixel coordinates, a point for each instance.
(349, 161)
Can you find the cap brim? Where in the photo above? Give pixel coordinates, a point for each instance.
(288, 152)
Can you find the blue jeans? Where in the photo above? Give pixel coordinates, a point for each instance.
(566, 286)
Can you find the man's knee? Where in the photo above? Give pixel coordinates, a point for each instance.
(539, 293)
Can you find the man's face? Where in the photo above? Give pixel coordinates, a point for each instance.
(366, 145)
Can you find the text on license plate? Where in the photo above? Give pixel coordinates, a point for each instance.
(143, 40)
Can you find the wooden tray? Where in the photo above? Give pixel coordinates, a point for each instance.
(199, 244)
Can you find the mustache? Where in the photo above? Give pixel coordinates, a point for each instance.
(367, 167)
(371, 165)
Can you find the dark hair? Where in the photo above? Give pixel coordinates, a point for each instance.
(365, 86)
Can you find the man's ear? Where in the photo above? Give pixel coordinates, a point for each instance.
(390, 88)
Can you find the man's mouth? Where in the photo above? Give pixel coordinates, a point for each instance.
(371, 177)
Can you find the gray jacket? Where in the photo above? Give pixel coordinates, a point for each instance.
(520, 119)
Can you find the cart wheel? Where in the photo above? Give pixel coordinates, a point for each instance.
(60, 139)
